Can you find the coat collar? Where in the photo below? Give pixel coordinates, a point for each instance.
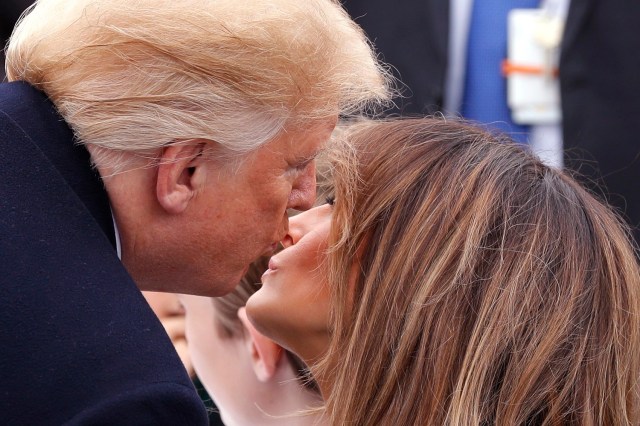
(37, 117)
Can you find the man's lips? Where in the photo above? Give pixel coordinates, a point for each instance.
(270, 250)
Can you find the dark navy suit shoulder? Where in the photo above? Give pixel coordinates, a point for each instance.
(79, 343)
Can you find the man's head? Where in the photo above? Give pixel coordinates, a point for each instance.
(202, 116)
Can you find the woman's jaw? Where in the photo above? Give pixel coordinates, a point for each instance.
(292, 307)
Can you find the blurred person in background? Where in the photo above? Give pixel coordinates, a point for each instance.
(142, 142)
(171, 313)
(10, 11)
(449, 54)
(252, 379)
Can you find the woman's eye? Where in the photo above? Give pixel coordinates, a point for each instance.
(331, 200)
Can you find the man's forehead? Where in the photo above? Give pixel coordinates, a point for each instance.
(308, 142)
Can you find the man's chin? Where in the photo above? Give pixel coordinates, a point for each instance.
(220, 287)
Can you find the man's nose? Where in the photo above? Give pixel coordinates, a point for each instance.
(303, 192)
(299, 226)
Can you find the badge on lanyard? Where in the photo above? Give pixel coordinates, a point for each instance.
(531, 67)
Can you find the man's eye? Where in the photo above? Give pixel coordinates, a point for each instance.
(304, 165)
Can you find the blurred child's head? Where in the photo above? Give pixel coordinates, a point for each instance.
(251, 378)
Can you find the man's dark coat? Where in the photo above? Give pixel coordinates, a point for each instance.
(78, 343)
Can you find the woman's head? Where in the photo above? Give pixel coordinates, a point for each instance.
(136, 76)
(469, 283)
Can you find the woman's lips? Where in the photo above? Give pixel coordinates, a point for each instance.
(273, 265)
(265, 274)
(271, 269)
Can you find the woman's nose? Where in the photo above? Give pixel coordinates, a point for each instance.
(299, 226)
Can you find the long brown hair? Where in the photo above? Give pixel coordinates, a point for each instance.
(491, 288)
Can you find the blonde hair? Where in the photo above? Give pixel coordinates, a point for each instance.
(491, 288)
(135, 75)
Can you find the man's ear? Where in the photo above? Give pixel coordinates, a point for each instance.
(179, 174)
(265, 353)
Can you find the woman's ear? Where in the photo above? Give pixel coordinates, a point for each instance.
(179, 174)
(265, 353)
